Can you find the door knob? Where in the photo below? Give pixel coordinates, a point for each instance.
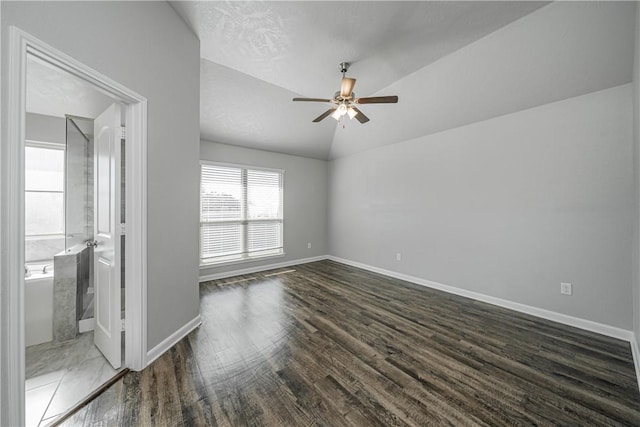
(90, 243)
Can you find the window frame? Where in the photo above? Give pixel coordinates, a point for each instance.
(49, 146)
(244, 256)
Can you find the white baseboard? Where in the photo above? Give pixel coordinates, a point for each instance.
(257, 269)
(172, 340)
(610, 331)
(636, 358)
(607, 330)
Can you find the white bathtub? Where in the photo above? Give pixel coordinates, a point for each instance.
(38, 305)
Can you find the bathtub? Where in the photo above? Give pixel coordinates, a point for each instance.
(38, 305)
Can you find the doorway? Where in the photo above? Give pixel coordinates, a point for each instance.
(72, 142)
(124, 105)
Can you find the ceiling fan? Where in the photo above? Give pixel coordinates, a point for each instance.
(344, 101)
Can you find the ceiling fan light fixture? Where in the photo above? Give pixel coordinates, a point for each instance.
(351, 112)
(340, 111)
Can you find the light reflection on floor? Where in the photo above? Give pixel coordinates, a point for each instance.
(251, 326)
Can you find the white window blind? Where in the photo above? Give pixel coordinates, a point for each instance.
(240, 213)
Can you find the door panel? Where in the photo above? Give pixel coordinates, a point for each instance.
(103, 183)
(103, 280)
(106, 230)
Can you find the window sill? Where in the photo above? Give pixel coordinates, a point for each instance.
(240, 261)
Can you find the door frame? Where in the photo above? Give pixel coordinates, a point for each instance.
(12, 334)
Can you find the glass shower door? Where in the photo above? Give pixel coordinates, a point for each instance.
(79, 197)
(79, 207)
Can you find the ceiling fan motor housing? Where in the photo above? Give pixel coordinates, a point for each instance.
(338, 97)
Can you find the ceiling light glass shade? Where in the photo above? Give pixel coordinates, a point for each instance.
(351, 112)
(340, 111)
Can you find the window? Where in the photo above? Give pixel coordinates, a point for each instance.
(240, 213)
(44, 200)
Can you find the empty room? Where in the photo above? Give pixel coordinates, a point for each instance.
(336, 213)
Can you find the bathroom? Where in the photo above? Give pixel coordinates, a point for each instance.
(62, 363)
(58, 222)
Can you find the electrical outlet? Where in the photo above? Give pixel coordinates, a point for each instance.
(309, 245)
(398, 256)
(565, 289)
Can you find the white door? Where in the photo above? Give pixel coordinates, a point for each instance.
(106, 231)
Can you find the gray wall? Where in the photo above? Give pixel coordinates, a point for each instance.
(146, 47)
(636, 161)
(40, 127)
(305, 200)
(508, 207)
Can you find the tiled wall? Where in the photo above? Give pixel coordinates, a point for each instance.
(70, 283)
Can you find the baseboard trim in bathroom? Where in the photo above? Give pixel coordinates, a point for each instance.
(97, 392)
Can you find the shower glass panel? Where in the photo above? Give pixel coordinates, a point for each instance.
(79, 207)
(79, 192)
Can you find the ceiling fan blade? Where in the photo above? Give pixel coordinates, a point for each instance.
(360, 116)
(377, 100)
(347, 87)
(311, 99)
(324, 115)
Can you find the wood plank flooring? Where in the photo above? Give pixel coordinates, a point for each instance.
(330, 345)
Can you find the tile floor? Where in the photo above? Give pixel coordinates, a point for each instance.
(59, 375)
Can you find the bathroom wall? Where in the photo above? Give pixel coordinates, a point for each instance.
(45, 128)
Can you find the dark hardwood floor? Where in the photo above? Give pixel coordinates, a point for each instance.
(328, 344)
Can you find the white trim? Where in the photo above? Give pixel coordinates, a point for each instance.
(12, 180)
(135, 266)
(172, 339)
(588, 325)
(636, 358)
(240, 261)
(45, 144)
(3, 269)
(13, 355)
(239, 166)
(257, 269)
(610, 331)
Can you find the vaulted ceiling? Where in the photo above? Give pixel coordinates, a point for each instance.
(451, 63)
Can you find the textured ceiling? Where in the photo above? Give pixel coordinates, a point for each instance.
(451, 63)
(54, 92)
